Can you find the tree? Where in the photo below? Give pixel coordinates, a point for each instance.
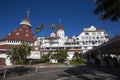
(60, 55)
(108, 9)
(18, 55)
(52, 26)
(42, 26)
(46, 58)
(76, 56)
(39, 28)
(24, 51)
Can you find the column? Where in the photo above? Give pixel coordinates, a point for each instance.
(101, 58)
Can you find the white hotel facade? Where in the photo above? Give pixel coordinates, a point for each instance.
(89, 38)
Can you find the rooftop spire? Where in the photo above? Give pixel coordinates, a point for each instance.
(59, 20)
(26, 20)
(28, 12)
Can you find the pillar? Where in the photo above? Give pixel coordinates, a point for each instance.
(101, 58)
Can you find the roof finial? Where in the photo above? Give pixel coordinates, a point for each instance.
(59, 20)
(28, 12)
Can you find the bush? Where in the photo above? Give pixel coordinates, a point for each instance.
(77, 62)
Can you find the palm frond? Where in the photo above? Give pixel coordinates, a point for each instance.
(39, 28)
(52, 26)
(108, 9)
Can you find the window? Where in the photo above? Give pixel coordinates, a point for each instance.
(101, 37)
(36, 53)
(93, 42)
(17, 33)
(26, 35)
(93, 37)
(85, 47)
(86, 33)
(99, 33)
(77, 38)
(97, 37)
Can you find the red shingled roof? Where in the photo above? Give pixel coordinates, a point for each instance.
(60, 27)
(7, 46)
(23, 33)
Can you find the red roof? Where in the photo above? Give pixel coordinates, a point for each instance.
(60, 27)
(23, 33)
(7, 46)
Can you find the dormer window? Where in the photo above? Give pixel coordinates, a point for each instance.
(26, 35)
(26, 30)
(9, 34)
(17, 33)
(52, 35)
(20, 29)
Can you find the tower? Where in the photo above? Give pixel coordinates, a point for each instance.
(26, 21)
(60, 30)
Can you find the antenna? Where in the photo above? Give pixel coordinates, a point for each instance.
(28, 13)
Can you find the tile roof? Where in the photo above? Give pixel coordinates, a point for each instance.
(7, 46)
(60, 27)
(23, 34)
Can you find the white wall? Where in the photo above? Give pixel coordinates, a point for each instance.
(7, 59)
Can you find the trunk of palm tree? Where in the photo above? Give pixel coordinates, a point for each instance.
(52, 27)
(37, 30)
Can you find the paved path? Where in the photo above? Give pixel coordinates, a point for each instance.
(63, 72)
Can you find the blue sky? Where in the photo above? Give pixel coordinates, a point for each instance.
(75, 15)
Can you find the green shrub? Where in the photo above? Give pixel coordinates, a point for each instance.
(77, 62)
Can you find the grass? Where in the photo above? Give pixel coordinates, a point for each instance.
(80, 62)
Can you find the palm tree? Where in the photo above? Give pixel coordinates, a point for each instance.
(76, 56)
(61, 55)
(46, 58)
(108, 9)
(52, 26)
(18, 55)
(42, 26)
(39, 28)
(24, 51)
(13, 55)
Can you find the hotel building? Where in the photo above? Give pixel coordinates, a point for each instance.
(89, 38)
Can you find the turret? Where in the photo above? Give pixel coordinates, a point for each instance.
(60, 31)
(26, 21)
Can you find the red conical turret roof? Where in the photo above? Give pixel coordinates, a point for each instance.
(25, 21)
(60, 27)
